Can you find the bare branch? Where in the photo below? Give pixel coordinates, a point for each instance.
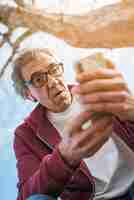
(6, 38)
(33, 4)
(20, 3)
(22, 38)
(126, 1)
(2, 41)
(29, 5)
(7, 63)
(15, 47)
(108, 27)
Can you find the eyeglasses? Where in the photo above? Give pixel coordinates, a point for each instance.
(39, 78)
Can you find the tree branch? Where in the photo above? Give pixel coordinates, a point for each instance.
(6, 38)
(3, 40)
(126, 1)
(20, 3)
(22, 38)
(15, 47)
(7, 63)
(108, 27)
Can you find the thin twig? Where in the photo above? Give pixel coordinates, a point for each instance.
(23, 37)
(7, 63)
(6, 38)
(15, 47)
(33, 2)
(20, 3)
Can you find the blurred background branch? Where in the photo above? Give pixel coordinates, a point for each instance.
(111, 26)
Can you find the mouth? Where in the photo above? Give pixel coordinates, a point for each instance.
(62, 93)
(59, 93)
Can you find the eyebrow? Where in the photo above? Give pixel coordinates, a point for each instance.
(47, 68)
(52, 64)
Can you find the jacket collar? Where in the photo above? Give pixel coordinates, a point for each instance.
(42, 127)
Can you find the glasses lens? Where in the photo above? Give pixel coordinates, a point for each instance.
(56, 69)
(61, 69)
(39, 79)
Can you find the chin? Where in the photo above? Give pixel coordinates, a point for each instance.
(62, 108)
(65, 106)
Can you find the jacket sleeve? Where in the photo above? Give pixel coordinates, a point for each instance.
(40, 176)
(125, 129)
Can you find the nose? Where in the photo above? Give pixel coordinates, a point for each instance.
(52, 81)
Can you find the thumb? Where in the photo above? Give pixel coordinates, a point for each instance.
(75, 124)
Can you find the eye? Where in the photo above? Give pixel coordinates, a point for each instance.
(39, 79)
(53, 70)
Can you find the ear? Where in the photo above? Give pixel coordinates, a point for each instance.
(28, 95)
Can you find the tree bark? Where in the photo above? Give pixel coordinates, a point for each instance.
(111, 26)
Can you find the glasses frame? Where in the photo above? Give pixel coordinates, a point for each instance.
(30, 82)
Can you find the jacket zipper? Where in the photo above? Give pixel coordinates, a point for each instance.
(49, 146)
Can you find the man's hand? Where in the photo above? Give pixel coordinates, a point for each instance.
(105, 90)
(78, 144)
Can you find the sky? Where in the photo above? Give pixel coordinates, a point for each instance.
(14, 109)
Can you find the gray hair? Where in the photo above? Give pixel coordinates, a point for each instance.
(25, 57)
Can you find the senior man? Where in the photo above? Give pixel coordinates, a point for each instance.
(56, 156)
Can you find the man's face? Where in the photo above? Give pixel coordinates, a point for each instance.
(54, 94)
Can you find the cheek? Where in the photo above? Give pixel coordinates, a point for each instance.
(43, 94)
(39, 93)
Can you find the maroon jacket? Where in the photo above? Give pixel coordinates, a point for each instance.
(41, 169)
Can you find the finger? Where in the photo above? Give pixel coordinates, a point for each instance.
(101, 85)
(98, 97)
(97, 141)
(101, 73)
(108, 107)
(100, 138)
(97, 126)
(99, 123)
(96, 147)
(78, 68)
(75, 124)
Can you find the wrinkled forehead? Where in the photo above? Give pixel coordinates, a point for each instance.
(41, 62)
